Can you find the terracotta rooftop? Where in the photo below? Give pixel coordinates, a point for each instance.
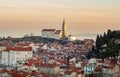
(48, 29)
(68, 72)
(22, 44)
(2, 44)
(19, 48)
(36, 62)
(57, 31)
(49, 65)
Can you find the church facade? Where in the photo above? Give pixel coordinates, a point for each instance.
(51, 33)
(54, 33)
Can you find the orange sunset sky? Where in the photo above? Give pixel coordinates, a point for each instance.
(20, 17)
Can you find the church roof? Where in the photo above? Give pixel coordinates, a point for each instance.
(57, 31)
(48, 29)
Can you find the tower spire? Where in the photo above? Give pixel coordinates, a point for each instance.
(64, 29)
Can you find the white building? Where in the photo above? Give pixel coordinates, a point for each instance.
(15, 55)
(51, 33)
(93, 61)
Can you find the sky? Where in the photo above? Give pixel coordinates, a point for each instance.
(21, 17)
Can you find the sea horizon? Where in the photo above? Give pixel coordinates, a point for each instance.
(80, 36)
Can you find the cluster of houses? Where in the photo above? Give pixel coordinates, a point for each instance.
(28, 59)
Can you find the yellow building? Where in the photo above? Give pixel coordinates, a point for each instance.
(71, 37)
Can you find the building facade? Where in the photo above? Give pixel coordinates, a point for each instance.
(13, 56)
(51, 33)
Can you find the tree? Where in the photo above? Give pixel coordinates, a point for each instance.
(97, 42)
(112, 48)
(105, 38)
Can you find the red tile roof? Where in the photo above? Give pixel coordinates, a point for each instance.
(46, 76)
(61, 61)
(40, 49)
(19, 48)
(15, 73)
(33, 73)
(22, 44)
(68, 72)
(2, 44)
(111, 66)
(49, 65)
(48, 29)
(57, 31)
(31, 62)
(4, 70)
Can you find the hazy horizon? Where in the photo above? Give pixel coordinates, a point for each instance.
(21, 17)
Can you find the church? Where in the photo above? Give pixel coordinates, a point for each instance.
(54, 33)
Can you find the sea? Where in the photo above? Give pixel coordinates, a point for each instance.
(83, 36)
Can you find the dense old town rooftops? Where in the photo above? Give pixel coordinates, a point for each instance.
(44, 58)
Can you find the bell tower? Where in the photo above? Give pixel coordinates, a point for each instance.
(64, 29)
